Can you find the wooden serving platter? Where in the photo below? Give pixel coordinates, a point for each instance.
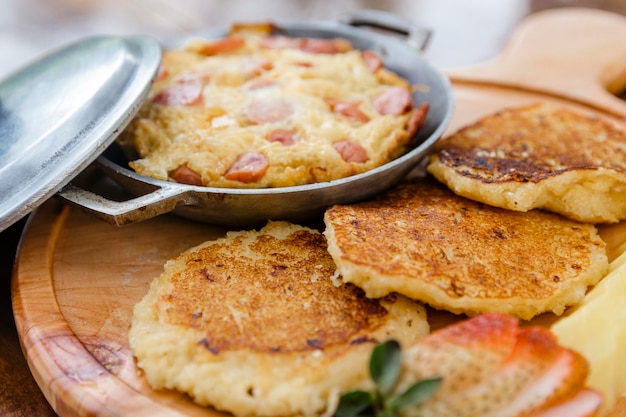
(77, 278)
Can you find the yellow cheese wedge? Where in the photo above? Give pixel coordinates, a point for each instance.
(596, 328)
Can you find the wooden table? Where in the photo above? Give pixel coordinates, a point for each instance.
(19, 393)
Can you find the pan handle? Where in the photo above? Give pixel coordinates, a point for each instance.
(417, 37)
(160, 201)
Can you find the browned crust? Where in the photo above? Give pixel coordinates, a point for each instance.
(279, 289)
(427, 243)
(533, 143)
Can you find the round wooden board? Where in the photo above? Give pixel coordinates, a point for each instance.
(76, 282)
(77, 279)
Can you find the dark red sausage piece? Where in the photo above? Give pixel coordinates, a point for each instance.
(372, 60)
(185, 175)
(394, 101)
(248, 167)
(324, 46)
(348, 109)
(416, 120)
(351, 151)
(284, 136)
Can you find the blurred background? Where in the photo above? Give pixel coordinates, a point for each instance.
(29, 28)
(464, 32)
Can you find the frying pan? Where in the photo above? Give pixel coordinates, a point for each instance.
(399, 44)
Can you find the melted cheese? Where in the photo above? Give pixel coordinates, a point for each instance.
(209, 136)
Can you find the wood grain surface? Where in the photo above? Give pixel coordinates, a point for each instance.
(23, 397)
(77, 279)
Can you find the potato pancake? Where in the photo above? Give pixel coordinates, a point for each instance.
(257, 323)
(423, 241)
(538, 156)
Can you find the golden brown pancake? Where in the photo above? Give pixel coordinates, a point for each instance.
(538, 156)
(423, 241)
(256, 324)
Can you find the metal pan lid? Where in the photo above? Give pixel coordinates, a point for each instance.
(60, 112)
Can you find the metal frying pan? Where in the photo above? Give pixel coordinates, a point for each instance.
(245, 207)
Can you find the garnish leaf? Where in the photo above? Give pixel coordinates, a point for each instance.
(416, 393)
(385, 368)
(356, 404)
(385, 365)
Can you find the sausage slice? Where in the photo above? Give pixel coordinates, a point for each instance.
(351, 151)
(269, 110)
(248, 167)
(394, 101)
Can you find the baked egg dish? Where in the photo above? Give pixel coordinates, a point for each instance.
(258, 109)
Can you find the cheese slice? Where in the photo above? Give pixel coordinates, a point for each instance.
(596, 329)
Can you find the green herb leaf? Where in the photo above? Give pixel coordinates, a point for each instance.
(415, 394)
(356, 404)
(385, 365)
